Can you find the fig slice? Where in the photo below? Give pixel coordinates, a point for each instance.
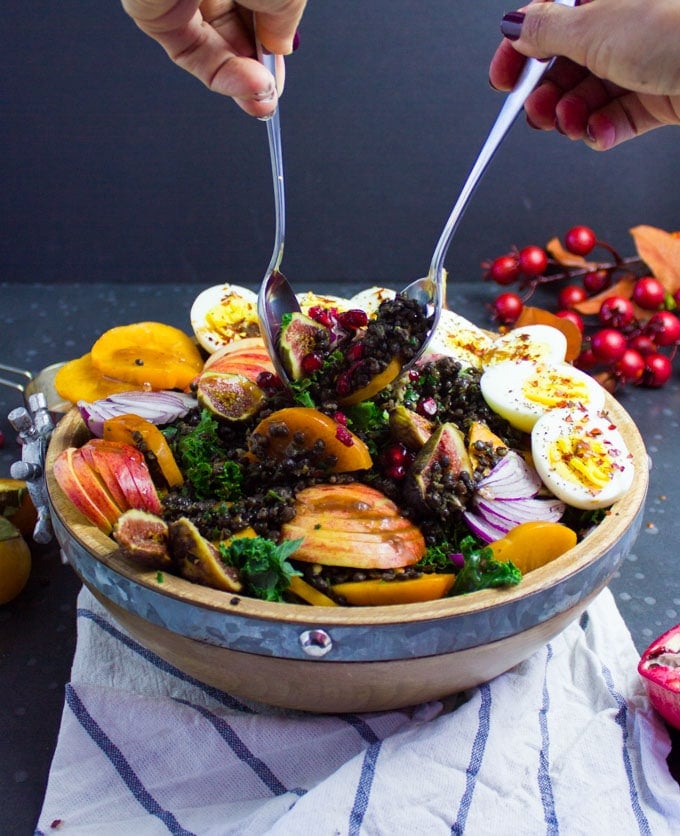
(198, 560)
(230, 396)
(143, 537)
(301, 336)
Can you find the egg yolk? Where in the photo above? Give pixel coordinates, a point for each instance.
(581, 460)
(233, 318)
(554, 390)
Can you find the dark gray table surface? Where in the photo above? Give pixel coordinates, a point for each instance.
(43, 324)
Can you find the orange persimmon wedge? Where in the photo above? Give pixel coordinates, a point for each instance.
(148, 354)
(146, 437)
(376, 384)
(533, 544)
(377, 592)
(309, 594)
(78, 380)
(309, 426)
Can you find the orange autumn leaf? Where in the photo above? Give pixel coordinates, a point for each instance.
(661, 253)
(565, 258)
(591, 305)
(538, 316)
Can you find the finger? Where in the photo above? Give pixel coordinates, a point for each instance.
(277, 24)
(576, 105)
(622, 119)
(202, 51)
(505, 67)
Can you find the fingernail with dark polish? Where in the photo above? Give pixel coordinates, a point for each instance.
(511, 25)
(296, 40)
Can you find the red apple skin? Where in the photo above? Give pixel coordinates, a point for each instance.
(128, 467)
(95, 488)
(100, 463)
(659, 668)
(67, 480)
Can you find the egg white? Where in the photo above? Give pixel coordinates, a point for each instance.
(522, 391)
(222, 313)
(530, 342)
(369, 300)
(570, 447)
(459, 338)
(309, 299)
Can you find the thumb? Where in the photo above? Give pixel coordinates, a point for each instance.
(542, 30)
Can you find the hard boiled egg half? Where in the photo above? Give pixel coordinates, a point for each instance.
(224, 313)
(529, 342)
(581, 457)
(521, 392)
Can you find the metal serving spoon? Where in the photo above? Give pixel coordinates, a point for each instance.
(276, 296)
(429, 291)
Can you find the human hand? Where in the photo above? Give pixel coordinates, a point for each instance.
(213, 40)
(619, 74)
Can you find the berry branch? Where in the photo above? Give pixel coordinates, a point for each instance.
(624, 313)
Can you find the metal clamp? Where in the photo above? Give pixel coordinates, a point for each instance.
(34, 425)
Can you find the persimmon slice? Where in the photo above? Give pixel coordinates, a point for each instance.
(79, 380)
(148, 354)
(148, 439)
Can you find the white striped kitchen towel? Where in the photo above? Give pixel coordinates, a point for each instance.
(565, 743)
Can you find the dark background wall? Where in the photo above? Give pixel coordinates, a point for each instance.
(117, 166)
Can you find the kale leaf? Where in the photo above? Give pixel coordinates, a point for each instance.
(481, 571)
(263, 564)
(209, 476)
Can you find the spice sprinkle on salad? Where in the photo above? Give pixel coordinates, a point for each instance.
(356, 485)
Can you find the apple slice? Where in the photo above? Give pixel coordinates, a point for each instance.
(352, 525)
(101, 463)
(128, 467)
(68, 481)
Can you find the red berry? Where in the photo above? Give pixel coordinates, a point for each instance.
(570, 295)
(649, 293)
(580, 240)
(586, 360)
(507, 307)
(664, 328)
(616, 311)
(631, 366)
(643, 344)
(608, 345)
(597, 280)
(572, 316)
(533, 260)
(658, 369)
(504, 270)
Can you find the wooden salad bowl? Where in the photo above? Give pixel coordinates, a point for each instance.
(345, 659)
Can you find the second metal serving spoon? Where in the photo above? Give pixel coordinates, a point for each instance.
(429, 291)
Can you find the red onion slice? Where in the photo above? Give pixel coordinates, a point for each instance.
(157, 407)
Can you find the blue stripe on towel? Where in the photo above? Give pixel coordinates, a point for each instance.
(239, 748)
(544, 782)
(120, 764)
(356, 816)
(361, 727)
(476, 757)
(161, 664)
(622, 720)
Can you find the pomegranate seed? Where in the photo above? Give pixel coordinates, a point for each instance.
(355, 351)
(311, 363)
(427, 406)
(396, 454)
(396, 472)
(353, 319)
(340, 418)
(325, 316)
(413, 375)
(343, 384)
(269, 380)
(344, 436)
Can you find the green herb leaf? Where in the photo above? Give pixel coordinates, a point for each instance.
(262, 564)
(481, 571)
(209, 476)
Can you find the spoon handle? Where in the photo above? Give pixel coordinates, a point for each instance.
(531, 74)
(276, 155)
